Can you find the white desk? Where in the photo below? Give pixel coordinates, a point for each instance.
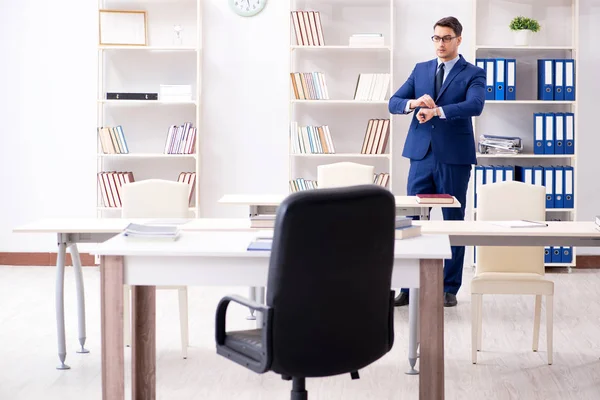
(266, 204)
(70, 232)
(220, 258)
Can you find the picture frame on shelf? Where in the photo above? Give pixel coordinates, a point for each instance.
(123, 27)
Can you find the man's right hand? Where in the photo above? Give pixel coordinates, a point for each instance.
(423, 101)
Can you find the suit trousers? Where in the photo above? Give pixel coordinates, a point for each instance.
(428, 176)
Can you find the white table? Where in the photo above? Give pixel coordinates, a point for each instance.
(266, 204)
(70, 232)
(220, 258)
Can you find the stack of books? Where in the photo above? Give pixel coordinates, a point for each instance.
(405, 229)
(151, 231)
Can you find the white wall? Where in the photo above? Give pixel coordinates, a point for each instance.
(47, 106)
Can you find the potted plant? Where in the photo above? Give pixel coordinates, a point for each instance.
(522, 28)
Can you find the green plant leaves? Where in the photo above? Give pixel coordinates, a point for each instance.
(520, 23)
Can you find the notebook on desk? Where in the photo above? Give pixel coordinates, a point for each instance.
(260, 245)
(434, 198)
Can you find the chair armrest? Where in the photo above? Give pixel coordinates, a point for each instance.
(222, 312)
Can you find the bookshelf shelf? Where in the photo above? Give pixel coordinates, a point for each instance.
(147, 102)
(349, 48)
(561, 42)
(341, 155)
(135, 137)
(148, 48)
(332, 102)
(538, 102)
(147, 155)
(527, 156)
(524, 48)
(341, 60)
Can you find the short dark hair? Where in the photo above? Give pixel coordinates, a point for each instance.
(450, 22)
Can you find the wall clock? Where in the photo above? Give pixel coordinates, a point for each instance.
(247, 8)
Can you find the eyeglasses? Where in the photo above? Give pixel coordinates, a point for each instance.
(445, 39)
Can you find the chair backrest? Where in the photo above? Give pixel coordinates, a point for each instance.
(329, 280)
(155, 198)
(344, 174)
(510, 200)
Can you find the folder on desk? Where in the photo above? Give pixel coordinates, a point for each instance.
(511, 79)
(559, 75)
(545, 79)
(538, 133)
(489, 174)
(567, 254)
(559, 187)
(568, 187)
(569, 79)
(509, 173)
(489, 77)
(569, 133)
(499, 80)
(549, 183)
(549, 133)
(559, 133)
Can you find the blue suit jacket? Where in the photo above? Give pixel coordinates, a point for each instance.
(462, 96)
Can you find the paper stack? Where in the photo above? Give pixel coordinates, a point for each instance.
(151, 231)
(366, 40)
(489, 144)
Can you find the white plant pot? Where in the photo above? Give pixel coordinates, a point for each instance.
(522, 37)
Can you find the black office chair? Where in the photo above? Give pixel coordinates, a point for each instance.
(331, 261)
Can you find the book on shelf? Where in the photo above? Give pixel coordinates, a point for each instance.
(372, 87)
(311, 139)
(382, 179)
(190, 179)
(376, 136)
(434, 198)
(309, 86)
(110, 184)
(112, 140)
(299, 184)
(181, 139)
(175, 93)
(308, 28)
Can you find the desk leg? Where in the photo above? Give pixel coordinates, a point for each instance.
(431, 316)
(111, 316)
(80, 297)
(143, 347)
(413, 323)
(60, 304)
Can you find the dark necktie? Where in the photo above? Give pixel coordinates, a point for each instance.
(439, 79)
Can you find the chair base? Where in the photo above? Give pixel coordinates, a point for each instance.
(298, 389)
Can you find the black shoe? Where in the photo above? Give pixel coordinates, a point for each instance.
(401, 300)
(450, 300)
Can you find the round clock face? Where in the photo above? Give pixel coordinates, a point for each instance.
(247, 8)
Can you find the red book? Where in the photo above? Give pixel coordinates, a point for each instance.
(434, 199)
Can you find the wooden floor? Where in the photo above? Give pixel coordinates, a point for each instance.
(507, 368)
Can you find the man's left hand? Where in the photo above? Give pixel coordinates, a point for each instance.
(425, 114)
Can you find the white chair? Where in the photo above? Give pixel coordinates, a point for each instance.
(344, 174)
(155, 198)
(511, 270)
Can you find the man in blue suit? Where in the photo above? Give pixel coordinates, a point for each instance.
(444, 94)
